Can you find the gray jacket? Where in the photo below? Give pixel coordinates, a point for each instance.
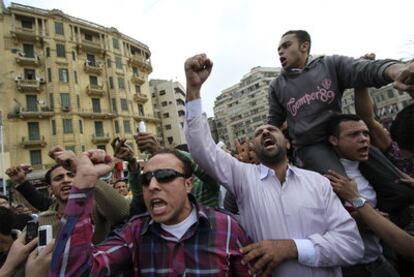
(309, 97)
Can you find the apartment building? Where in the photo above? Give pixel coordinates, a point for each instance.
(241, 108)
(168, 98)
(70, 82)
(387, 102)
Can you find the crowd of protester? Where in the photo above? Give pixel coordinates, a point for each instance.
(312, 193)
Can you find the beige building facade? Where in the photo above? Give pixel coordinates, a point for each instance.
(387, 102)
(66, 81)
(168, 98)
(241, 108)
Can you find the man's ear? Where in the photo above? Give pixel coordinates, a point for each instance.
(333, 140)
(304, 46)
(189, 184)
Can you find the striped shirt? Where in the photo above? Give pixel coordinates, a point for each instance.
(210, 247)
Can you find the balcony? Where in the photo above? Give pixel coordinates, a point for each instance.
(91, 46)
(95, 90)
(25, 85)
(93, 67)
(26, 34)
(24, 60)
(33, 143)
(100, 138)
(138, 79)
(147, 117)
(34, 113)
(96, 114)
(141, 62)
(140, 98)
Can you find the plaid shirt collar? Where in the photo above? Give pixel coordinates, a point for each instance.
(201, 215)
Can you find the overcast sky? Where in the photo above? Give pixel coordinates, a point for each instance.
(240, 34)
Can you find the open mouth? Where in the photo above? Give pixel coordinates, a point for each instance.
(283, 61)
(158, 205)
(66, 188)
(363, 150)
(268, 142)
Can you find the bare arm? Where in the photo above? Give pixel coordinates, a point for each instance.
(365, 109)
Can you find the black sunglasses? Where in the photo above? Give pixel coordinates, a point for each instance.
(162, 176)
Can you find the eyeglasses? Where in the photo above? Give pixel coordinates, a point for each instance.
(162, 176)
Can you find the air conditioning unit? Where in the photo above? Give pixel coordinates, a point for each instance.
(65, 109)
(42, 81)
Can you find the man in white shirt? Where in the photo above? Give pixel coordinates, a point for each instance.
(298, 223)
(349, 136)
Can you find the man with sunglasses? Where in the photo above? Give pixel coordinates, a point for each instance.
(300, 226)
(177, 237)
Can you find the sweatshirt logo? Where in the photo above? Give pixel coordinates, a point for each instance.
(322, 94)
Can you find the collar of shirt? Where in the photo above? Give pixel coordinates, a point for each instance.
(266, 171)
(201, 215)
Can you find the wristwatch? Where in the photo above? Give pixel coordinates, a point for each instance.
(358, 202)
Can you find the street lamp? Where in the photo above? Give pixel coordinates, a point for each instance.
(2, 154)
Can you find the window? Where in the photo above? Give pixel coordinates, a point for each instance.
(90, 59)
(47, 52)
(127, 126)
(93, 80)
(390, 93)
(141, 109)
(138, 89)
(67, 126)
(29, 74)
(75, 75)
(114, 108)
(164, 103)
(49, 74)
(135, 71)
(78, 101)
(115, 43)
(28, 50)
(109, 62)
(70, 148)
(65, 100)
(35, 157)
(27, 23)
(103, 147)
(118, 62)
(63, 75)
(170, 140)
(59, 28)
(165, 115)
(124, 104)
(116, 126)
(53, 127)
(51, 101)
(83, 148)
(168, 127)
(60, 50)
(31, 101)
(162, 92)
(96, 105)
(181, 113)
(81, 126)
(33, 128)
(88, 37)
(111, 82)
(73, 56)
(99, 132)
(121, 83)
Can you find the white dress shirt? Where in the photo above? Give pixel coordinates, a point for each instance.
(304, 208)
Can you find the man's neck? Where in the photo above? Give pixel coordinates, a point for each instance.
(280, 169)
(60, 209)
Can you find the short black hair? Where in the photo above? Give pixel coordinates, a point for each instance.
(47, 175)
(402, 128)
(301, 35)
(188, 169)
(332, 126)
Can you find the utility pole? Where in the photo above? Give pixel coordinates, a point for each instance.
(2, 154)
